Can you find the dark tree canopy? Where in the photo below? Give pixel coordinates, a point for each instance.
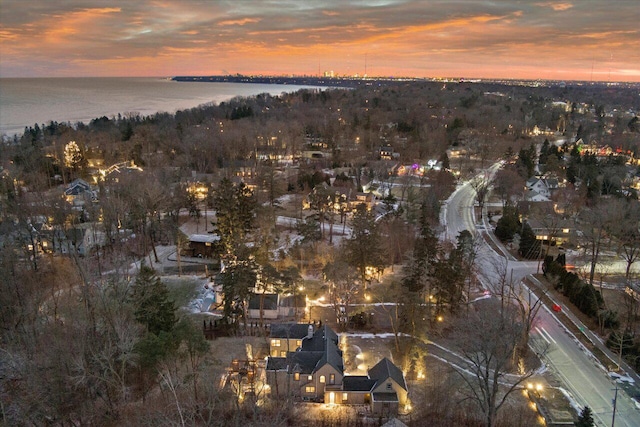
(153, 308)
(364, 247)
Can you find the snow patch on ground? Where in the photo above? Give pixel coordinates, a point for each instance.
(203, 301)
(571, 400)
(621, 378)
(368, 335)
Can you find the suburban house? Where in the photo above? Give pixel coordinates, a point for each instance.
(286, 337)
(541, 188)
(545, 222)
(390, 391)
(202, 245)
(314, 371)
(345, 198)
(386, 152)
(80, 239)
(309, 371)
(363, 199)
(263, 306)
(292, 305)
(554, 233)
(275, 306)
(384, 389)
(78, 193)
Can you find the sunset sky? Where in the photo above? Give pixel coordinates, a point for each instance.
(562, 40)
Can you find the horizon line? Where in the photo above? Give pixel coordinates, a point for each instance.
(450, 79)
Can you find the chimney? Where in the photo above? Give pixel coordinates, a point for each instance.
(310, 332)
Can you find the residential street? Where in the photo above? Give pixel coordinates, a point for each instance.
(586, 380)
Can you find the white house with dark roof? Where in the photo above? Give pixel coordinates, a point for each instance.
(540, 189)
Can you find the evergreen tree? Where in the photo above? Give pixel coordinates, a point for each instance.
(526, 161)
(364, 247)
(544, 152)
(529, 245)
(585, 419)
(508, 224)
(235, 210)
(151, 302)
(425, 254)
(445, 161)
(448, 286)
(238, 278)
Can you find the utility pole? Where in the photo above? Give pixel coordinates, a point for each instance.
(615, 400)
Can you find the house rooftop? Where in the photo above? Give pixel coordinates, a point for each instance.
(386, 369)
(204, 238)
(277, 363)
(358, 383)
(290, 330)
(304, 362)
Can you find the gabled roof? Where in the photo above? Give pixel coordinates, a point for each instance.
(204, 238)
(305, 362)
(386, 369)
(394, 422)
(357, 383)
(317, 342)
(77, 187)
(526, 207)
(326, 341)
(552, 183)
(290, 330)
(333, 356)
(317, 351)
(276, 363)
(533, 194)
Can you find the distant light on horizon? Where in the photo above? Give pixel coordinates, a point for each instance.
(568, 41)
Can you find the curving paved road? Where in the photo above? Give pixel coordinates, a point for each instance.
(583, 377)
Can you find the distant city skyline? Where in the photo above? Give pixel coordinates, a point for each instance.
(592, 40)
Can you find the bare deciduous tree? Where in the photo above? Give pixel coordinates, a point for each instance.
(488, 339)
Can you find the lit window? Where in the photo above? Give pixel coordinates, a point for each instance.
(310, 389)
(296, 376)
(322, 379)
(332, 379)
(283, 353)
(310, 378)
(299, 343)
(275, 343)
(345, 396)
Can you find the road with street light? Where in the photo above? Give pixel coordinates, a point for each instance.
(583, 376)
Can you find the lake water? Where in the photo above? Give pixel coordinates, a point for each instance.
(24, 102)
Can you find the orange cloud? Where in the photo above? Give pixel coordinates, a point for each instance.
(6, 35)
(558, 7)
(240, 22)
(73, 23)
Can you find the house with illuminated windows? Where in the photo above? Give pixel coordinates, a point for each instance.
(310, 368)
